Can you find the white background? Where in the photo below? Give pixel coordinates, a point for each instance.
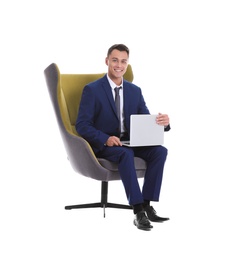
(181, 56)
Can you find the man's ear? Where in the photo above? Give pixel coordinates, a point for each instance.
(106, 61)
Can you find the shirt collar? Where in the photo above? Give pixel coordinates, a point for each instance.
(112, 84)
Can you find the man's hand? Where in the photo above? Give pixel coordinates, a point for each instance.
(113, 141)
(162, 119)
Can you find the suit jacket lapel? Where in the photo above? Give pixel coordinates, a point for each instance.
(108, 91)
(126, 97)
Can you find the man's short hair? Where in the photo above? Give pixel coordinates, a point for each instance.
(119, 47)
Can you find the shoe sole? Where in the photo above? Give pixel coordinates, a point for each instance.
(143, 228)
(158, 221)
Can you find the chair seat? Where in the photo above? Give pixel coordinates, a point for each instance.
(140, 166)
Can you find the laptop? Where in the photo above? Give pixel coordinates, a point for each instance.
(144, 131)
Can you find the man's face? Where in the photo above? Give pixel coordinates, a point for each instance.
(117, 63)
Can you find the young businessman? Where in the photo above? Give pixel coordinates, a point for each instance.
(104, 123)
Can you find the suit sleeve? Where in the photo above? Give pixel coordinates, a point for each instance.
(85, 120)
(167, 128)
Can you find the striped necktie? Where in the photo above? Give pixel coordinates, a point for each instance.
(117, 104)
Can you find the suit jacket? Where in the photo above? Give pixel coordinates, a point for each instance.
(97, 117)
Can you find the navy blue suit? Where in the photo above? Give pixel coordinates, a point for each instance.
(97, 121)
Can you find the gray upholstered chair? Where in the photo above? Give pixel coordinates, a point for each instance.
(65, 92)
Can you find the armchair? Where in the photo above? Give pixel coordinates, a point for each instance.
(65, 93)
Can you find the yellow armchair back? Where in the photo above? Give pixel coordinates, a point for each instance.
(69, 91)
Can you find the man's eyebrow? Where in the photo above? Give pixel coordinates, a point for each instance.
(114, 58)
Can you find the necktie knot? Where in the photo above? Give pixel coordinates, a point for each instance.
(116, 89)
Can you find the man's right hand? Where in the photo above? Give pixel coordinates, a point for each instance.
(113, 141)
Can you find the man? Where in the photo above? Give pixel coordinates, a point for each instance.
(100, 125)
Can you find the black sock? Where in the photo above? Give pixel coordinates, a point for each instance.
(146, 203)
(137, 208)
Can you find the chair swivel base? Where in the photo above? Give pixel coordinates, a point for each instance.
(99, 205)
(103, 204)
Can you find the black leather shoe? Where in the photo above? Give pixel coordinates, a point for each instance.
(152, 216)
(141, 221)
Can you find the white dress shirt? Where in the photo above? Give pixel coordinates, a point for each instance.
(113, 85)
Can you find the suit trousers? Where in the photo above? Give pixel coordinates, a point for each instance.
(155, 156)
